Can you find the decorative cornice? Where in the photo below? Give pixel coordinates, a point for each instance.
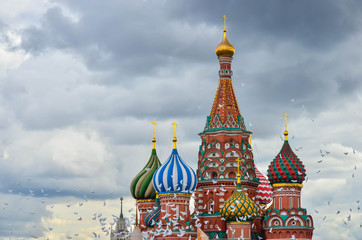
(287, 185)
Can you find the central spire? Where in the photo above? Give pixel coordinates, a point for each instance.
(225, 111)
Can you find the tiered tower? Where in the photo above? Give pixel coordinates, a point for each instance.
(142, 188)
(287, 219)
(175, 182)
(223, 140)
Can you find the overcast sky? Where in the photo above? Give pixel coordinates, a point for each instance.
(81, 82)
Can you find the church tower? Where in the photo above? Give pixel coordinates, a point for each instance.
(223, 140)
(174, 182)
(287, 219)
(142, 188)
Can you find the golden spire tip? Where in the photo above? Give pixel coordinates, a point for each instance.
(174, 139)
(154, 139)
(286, 131)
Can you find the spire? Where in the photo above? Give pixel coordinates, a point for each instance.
(285, 132)
(154, 139)
(121, 215)
(174, 139)
(225, 111)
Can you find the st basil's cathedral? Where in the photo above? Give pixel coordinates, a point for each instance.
(233, 199)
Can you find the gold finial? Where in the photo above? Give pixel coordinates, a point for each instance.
(154, 139)
(251, 148)
(238, 176)
(225, 49)
(224, 22)
(285, 132)
(174, 139)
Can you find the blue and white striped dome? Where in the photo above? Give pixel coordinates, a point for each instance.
(174, 176)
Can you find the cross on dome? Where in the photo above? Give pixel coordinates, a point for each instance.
(154, 139)
(174, 139)
(286, 132)
(224, 22)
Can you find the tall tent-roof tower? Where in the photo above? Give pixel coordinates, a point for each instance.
(223, 140)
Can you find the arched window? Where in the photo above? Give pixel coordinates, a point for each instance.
(232, 175)
(291, 202)
(280, 202)
(213, 175)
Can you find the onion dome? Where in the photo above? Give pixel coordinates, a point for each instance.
(141, 186)
(225, 49)
(264, 194)
(152, 217)
(286, 166)
(239, 207)
(174, 175)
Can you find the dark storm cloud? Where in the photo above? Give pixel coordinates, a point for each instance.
(316, 24)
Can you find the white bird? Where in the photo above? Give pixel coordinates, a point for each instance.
(181, 233)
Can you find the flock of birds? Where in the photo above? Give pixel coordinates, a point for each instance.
(106, 224)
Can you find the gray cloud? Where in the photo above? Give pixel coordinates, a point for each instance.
(75, 116)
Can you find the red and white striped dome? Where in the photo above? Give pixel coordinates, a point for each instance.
(264, 192)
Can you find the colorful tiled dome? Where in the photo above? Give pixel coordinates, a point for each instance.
(286, 167)
(264, 193)
(239, 207)
(141, 186)
(152, 217)
(174, 175)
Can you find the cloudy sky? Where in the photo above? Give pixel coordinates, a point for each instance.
(81, 82)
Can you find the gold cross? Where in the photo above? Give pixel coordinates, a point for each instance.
(154, 126)
(285, 116)
(224, 21)
(238, 160)
(251, 148)
(174, 129)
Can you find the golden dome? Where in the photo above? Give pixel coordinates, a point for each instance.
(225, 49)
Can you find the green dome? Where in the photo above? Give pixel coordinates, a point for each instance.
(141, 186)
(239, 207)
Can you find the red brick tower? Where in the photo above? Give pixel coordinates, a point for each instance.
(287, 219)
(224, 139)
